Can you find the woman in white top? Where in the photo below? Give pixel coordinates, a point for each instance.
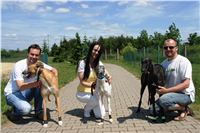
(87, 77)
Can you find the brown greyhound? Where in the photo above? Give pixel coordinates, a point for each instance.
(49, 86)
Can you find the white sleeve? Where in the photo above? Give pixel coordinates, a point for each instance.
(186, 70)
(17, 72)
(81, 66)
(101, 64)
(47, 66)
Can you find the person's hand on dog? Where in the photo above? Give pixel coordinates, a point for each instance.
(39, 84)
(161, 90)
(93, 85)
(109, 79)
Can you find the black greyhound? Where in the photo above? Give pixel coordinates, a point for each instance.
(153, 75)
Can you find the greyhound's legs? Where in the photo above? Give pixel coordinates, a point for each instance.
(109, 108)
(141, 94)
(152, 93)
(58, 107)
(102, 109)
(45, 124)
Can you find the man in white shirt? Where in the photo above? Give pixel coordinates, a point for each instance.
(179, 90)
(20, 90)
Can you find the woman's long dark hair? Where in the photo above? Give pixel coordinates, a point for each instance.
(96, 60)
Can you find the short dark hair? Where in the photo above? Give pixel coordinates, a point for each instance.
(171, 39)
(34, 46)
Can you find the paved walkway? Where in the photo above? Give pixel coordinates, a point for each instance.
(125, 96)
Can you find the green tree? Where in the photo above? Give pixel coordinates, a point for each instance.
(128, 52)
(194, 39)
(157, 39)
(142, 40)
(77, 52)
(85, 45)
(173, 33)
(45, 47)
(5, 54)
(54, 50)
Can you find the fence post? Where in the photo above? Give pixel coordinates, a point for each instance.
(158, 56)
(144, 52)
(44, 58)
(117, 54)
(185, 50)
(106, 55)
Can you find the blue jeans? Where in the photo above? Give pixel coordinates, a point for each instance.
(20, 101)
(169, 100)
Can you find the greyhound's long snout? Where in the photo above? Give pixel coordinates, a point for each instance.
(26, 73)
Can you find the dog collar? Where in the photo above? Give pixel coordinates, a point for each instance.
(101, 76)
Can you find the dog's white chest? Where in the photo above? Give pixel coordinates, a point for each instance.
(104, 86)
(47, 88)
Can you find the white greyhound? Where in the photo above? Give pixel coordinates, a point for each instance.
(103, 88)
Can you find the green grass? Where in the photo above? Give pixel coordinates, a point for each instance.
(66, 73)
(195, 75)
(134, 68)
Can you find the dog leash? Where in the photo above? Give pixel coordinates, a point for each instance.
(38, 74)
(93, 87)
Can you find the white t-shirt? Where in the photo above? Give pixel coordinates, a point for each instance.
(176, 71)
(81, 67)
(16, 74)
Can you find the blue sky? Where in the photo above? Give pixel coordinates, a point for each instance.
(25, 22)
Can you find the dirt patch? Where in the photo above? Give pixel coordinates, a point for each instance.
(6, 69)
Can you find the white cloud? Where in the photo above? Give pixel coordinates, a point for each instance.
(124, 2)
(44, 9)
(72, 28)
(87, 15)
(61, 1)
(62, 10)
(138, 14)
(31, 5)
(10, 35)
(84, 6)
(103, 28)
(141, 2)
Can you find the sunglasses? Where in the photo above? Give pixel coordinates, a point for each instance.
(170, 47)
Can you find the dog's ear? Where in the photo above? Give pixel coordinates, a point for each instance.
(104, 68)
(96, 69)
(39, 64)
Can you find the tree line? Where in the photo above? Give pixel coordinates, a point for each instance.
(74, 49)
